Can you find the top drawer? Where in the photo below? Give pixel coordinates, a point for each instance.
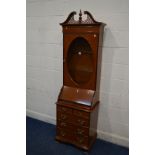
(74, 112)
(80, 113)
(63, 109)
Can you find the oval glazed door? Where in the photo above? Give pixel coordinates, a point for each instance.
(79, 61)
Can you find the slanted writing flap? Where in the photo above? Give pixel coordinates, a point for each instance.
(82, 96)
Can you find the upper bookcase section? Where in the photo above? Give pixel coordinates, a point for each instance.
(89, 21)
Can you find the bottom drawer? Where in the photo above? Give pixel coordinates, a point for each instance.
(72, 137)
(64, 134)
(81, 140)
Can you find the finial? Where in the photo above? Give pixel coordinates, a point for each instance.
(80, 16)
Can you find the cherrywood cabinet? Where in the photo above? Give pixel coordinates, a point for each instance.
(78, 100)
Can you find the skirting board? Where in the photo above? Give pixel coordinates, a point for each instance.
(40, 116)
(100, 134)
(109, 137)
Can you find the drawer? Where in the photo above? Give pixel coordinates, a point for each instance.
(81, 140)
(63, 109)
(64, 117)
(62, 124)
(81, 121)
(65, 125)
(78, 121)
(79, 131)
(80, 113)
(65, 134)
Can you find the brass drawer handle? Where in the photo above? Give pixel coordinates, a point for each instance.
(63, 124)
(80, 140)
(79, 113)
(62, 133)
(80, 132)
(81, 121)
(63, 117)
(64, 109)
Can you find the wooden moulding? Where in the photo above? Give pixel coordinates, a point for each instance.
(88, 21)
(78, 106)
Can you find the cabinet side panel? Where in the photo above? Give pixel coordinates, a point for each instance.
(99, 63)
(93, 124)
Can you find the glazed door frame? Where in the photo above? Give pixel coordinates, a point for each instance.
(92, 39)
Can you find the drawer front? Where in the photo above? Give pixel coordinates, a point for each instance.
(62, 124)
(80, 113)
(65, 134)
(69, 136)
(81, 140)
(79, 131)
(81, 121)
(64, 117)
(75, 117)
(78, 121)
(66, 126)
(63, 109)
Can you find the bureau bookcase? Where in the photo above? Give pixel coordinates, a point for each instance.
(78, 101)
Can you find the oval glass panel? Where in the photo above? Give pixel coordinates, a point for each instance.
(79, 60)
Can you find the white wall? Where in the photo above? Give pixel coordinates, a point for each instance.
(44, 61)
